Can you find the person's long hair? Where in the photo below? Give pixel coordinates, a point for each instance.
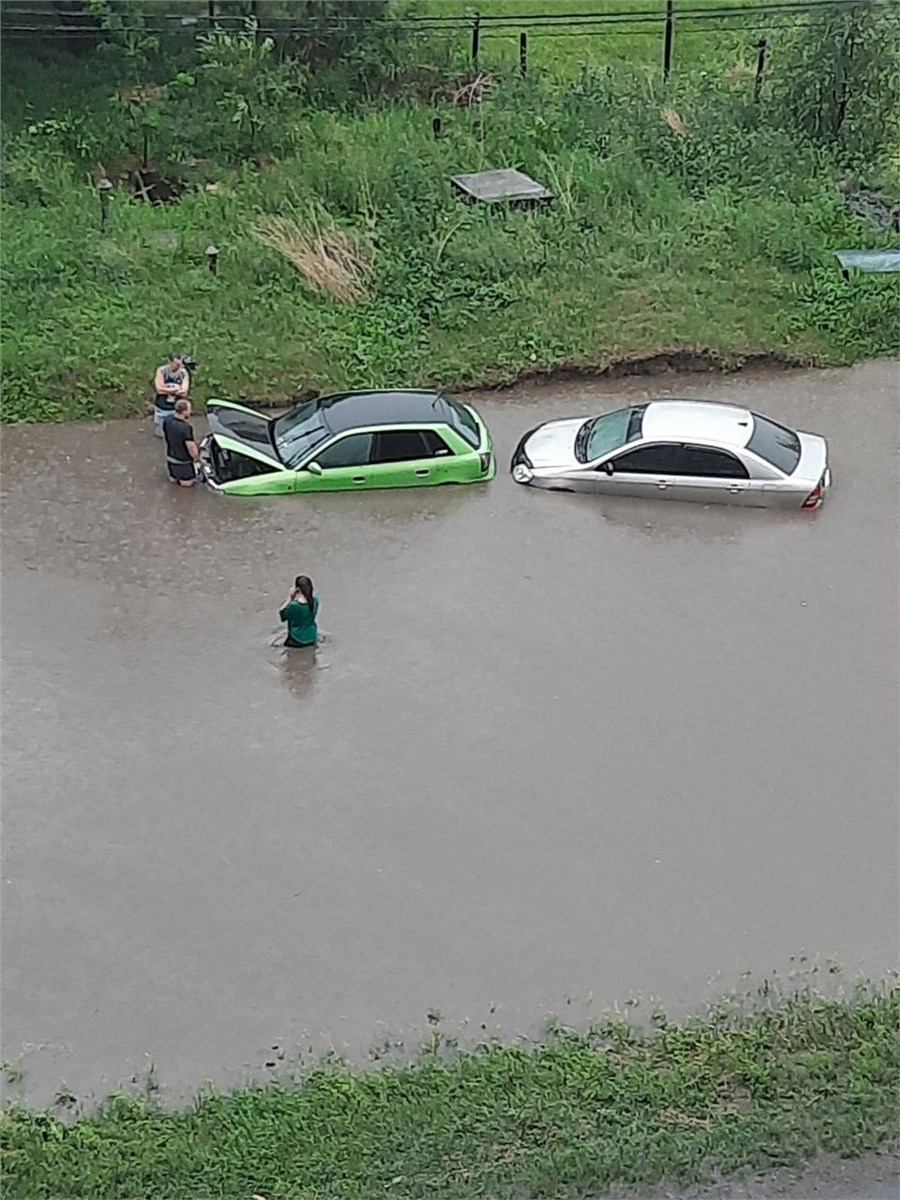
(303, 587)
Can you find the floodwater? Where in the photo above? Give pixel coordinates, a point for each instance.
(555, 750)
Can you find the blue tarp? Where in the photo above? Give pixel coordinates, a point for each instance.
(872, 261)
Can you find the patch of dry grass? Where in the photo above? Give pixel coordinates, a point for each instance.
(674, 121)
(329, 259)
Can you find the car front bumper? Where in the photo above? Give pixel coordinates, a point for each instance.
(207, 471)
(520, 465)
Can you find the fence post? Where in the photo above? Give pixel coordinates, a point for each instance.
(761, 47)
(104, 189)
(670, 35)
(523, 54)
(211, 13)
(476, 37)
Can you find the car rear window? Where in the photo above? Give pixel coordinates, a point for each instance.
(774, 443)
(462, 421)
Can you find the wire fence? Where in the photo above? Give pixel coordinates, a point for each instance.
(464, 32)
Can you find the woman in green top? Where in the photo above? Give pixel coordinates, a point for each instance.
(300, 613)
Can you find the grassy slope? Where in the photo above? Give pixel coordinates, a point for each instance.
(718, 239)
(568, 1118)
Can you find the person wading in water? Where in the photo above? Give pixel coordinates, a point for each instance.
(300, 611)
(182, 454)
(172, 383)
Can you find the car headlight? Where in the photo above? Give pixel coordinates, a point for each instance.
(521, 473)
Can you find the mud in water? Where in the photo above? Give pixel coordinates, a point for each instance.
(553, 748)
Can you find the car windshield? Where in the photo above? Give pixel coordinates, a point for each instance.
(299, 431)
(608, 432)
(774, 443)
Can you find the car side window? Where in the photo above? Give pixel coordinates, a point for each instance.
(648, 460)
(435, 446)
(400, 445)
(711, 463)
(354, 450)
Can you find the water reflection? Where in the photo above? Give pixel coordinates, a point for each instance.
(299, 670)
(672, 520)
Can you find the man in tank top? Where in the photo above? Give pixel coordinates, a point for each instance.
(172, 383)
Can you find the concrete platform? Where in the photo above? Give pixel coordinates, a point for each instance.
(502, 187)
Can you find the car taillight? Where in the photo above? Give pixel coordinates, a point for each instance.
(485, 460)
(814, 499)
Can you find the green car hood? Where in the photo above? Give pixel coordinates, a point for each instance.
(250, 430)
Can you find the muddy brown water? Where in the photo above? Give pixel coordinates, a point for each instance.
(555, 750)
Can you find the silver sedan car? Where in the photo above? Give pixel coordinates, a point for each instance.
(678, 450)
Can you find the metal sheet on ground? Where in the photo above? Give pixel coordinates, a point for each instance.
(554, 747)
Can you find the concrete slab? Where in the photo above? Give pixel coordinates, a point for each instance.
(501, 187)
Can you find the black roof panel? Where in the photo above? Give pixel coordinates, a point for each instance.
(349, 410)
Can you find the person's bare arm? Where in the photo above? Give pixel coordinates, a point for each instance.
(193, 451)
(183, 388)
(159, 383)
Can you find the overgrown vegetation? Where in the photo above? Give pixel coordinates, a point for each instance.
(686, 216)
(571, 1117)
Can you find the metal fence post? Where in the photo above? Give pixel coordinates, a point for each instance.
(761, 47)
(669, 38)
(523, 54)
(476, 37)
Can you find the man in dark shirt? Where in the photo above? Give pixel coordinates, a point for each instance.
(182, 454)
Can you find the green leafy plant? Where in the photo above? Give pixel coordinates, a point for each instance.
(840, 77)
(251, 87)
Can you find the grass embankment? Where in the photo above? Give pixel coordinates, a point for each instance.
(690, 219)
(571, 1117)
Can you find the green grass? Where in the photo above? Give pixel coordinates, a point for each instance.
(573, 1116)
(715, 235)
(719, 239)
(711, 42)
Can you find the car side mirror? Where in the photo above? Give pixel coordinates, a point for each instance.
(314, 468)
(608, 468)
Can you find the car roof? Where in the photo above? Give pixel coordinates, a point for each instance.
(351, 410)
(697, 421)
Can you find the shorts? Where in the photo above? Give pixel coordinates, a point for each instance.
(159, 416)
(182, 471)
(290, 644)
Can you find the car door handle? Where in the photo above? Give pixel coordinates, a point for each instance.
(735, 487)
(662, 483)
(359, 479)
(423, 471)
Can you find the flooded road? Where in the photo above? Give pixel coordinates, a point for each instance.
(553, 746)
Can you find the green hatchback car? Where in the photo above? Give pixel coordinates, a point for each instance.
(350, 442)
